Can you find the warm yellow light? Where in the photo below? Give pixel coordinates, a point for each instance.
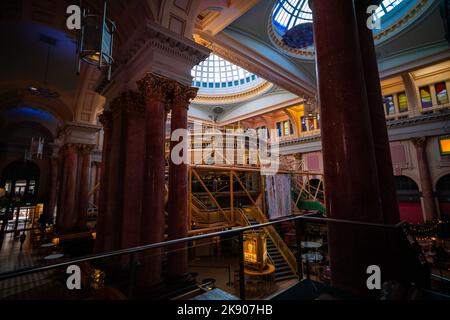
(445, 145)
(94, 235)
(56, 241)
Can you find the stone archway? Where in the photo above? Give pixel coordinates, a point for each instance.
(408, 196)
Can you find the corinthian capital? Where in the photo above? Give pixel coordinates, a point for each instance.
(156, 87)
(183, 95)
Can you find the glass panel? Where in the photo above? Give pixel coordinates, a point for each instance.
(304, 128)
(425, 97)
(389, 105)
(286, 128)
(8, 186)
(441, 93)
(280, 133)
(402, 102)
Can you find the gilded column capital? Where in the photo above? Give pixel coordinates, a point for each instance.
(105, 119)
(70, 148)
(128, 101)
(156, 87)
(183, 95)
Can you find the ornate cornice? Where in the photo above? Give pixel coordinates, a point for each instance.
(172, 43)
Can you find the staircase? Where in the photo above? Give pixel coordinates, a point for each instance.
(282, 269)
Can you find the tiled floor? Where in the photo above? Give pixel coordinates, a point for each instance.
(12, 259)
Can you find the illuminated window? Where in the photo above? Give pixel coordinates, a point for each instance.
(287, 128)
(280, 132)
(402, 102)
(444, 145)
(441, 93)
(425, 97)
(389, 105)
(284, 128)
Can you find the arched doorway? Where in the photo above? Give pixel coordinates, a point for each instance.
(21, 182)
(443, 195)
(408, 196)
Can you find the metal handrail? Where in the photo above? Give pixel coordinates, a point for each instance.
(139, 249)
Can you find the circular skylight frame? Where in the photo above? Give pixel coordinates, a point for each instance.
(391, 13)
(217, 76)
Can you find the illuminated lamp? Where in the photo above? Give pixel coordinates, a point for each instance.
(97, 279)
(96, 40)
(56, 241)
(444, 145)
(255, 250)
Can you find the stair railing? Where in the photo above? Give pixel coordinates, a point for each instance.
(273, 234)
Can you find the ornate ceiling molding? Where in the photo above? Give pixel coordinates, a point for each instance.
(388, 31)
(233, 97)
(243, 56)
(277, 41)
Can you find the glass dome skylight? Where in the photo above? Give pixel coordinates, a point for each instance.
(217, 73)
(289, 13)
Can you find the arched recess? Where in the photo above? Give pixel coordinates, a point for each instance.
(19, 97)
(443, 195)
(408, 196)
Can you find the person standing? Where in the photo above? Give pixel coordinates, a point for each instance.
(23, 236)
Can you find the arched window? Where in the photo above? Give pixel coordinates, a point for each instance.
(407, 189)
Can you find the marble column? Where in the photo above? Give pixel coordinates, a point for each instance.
(385, 170)
(428, 201)
(129, 109)
(178, 219)
(155, 90)
(83, 191)
(67, 217)
(53, 188)
(104, 222)
(350, 168)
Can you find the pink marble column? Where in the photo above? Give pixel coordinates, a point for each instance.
(67, 217)
(350, 169)
(104, 222)
(154, 89)
(129, 109)
(53, 196)
(178, 183)
(377, 116)
(83, 191)
(428, 201)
